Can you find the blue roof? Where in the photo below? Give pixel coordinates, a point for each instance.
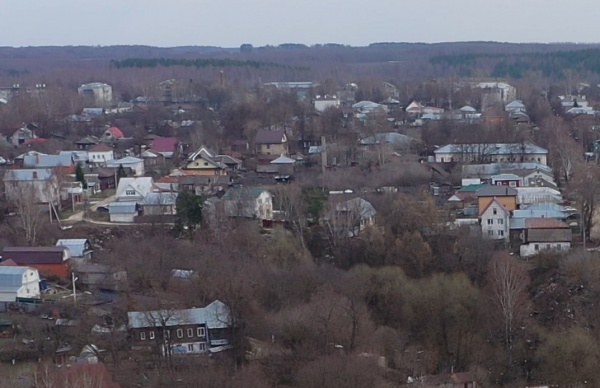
(216, 315)
(76, 245)
(122, 207)
(32, 174)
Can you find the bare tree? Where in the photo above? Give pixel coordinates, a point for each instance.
(508, 281)
(291, 201)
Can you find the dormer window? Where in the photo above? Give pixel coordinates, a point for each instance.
(129, 192)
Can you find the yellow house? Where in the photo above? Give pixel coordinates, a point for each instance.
(504, 195)
(204, 162)
(271, 143)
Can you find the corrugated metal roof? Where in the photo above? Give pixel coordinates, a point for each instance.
(545, 223)
(76, 245)
(33, 174)
(215, 316)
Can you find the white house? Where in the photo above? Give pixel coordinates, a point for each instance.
(99, 154)
(42, 182)
(348, 218)
(491, 153)
(325, 102)
(495, 221)
(136, 164)
(123, 211)
(96, 92)
(542, 234)
(79, 248)
(19, 282)
(529, 195)
(248, 202)
(134, 189)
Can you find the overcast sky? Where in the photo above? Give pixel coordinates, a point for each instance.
(229, 23)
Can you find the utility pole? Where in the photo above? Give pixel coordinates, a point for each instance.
(73, 278)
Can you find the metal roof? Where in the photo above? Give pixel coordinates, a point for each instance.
(492, 149)
(76, 245)
(215, 316)
(33, 174)
(122, 207)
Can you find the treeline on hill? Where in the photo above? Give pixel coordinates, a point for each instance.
(550, 64)
(197, 63)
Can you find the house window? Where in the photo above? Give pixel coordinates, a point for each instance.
(490, 233)
(191, 347)
(548, 246)
(152, 335)
(268, 146)
(205, 163)
(536, 247)
(202, 347)
(129, 192)
(190, 332)
(501, 233)
(179, 333)
(513, 184)
(200, 331)
(142, 335)
(490, 222)
(558, 247)
(494, 211)
(500, 221)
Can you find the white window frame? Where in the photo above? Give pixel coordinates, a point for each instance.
(190, 332)
(142, 336)
(151, 336)
(201, 332)
(179, 333)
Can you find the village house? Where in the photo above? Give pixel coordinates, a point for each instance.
(322, 103)
(495, 221)
(271, 143)
(18, 283)
(123, 211)
(491, 153)
(159, 204)
(50, 261)
(112, 134)
(204, 162)
(99, 154)
(135, 164)
(100, 277)
(87, 142)
(79, 248)
(19, 136)
(96, 93)
(168, 147)
(248, 202)
(506, 196)
(182, 331)
(204, 185)
(510, 180)
(349, 217)
(534, 235)
(64, 163)
(42, 182)
(134, 189)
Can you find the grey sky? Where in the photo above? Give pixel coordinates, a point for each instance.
(230, 23)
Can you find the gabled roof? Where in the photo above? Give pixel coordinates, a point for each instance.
(494, 202)
(88, 140)
(100, 148)
(141, 185)
(270, 137)
(215, 316)
(364, 207)
(123, 161)
(283, 160)
(497, 191)
(545, 223)
(23, 175)
(11, 277)
(47, 161)
(76, 245)
(35, 255)
(116, 132)
(164, 144)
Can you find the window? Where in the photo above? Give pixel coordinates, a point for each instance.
(490, 233)
(558, 247)
(200, 331)
(500, 221)
(129, 192)
(179, 333)
(536, 247)
(268, 146)
(191, 347)
(494, 211)
(513, 184)
(190, 332)
(490, 222)
(202, 347)
(501, 233)
(142, 335)
(548, 246)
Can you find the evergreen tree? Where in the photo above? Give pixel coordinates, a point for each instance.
(189, 212)
(120, 173)
(80, 176)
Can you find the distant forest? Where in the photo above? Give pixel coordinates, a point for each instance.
(551, 64)
(197, 63)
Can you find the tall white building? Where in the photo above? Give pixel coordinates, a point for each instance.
(96, 92)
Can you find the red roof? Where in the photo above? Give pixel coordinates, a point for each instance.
(100, 148)
(168, 179)
(116, 132)
(164, 144)
(545, 223)
(36, 140)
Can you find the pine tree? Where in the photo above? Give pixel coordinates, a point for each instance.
(80, 176)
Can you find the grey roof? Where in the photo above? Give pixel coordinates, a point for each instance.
(493, 148)
(364, 207)
(41, 161)
(497, 168)
(34, 174)
(493, 191)
(283, 160)
(387, 138)
(539, 213)
(215, 316)
(123, 161)
(122, 207)
(11, 277)
(269, 137)
(76, 245)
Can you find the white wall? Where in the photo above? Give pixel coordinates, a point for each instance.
(495, 226)
(527, 250)
(128, 217)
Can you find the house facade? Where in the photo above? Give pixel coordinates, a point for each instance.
(182, 331)
(79, 248)
(133, 189)
(52, 261)
(96, 93)
(41, 183)
(248, 202)
(495, 221)
(491, 153)
(99, 154)
(271, 143)
(18, 283)
(348, 218)
(542, 234)
(506, 196)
